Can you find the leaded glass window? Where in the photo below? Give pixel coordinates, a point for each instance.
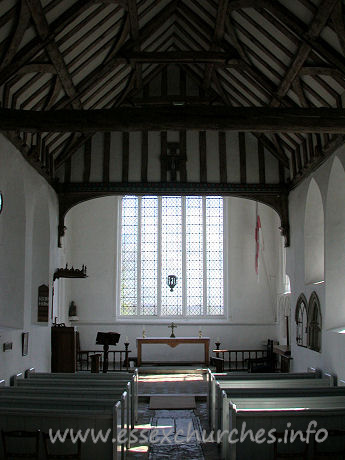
(314, 323)
(301, 318)
(172, 235)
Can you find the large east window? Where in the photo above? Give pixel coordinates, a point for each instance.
(172, 235)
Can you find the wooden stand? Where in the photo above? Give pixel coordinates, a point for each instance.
(283, 353)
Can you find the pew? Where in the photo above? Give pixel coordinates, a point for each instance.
(44, 419)
(133, 376)
(83, 383)
(272, 385)
(53, 409)
(273, 413)
(213, 377)
(105, 396)
(70, 393)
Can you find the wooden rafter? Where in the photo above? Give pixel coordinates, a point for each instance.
(269, 120)
(53, 93)
(302, 32)
(218, 36)
(53, 51)
(314, 163)
(37, 68)
(94, 77)
(319, 21)
(68, 153)
(271, 147)
(177, 57)
(297, 87)
(230, 30)
(258, 76)
(134, 25)
(317, 70)
(122, 3)
(235, 69)
(36, 45)
(296, 25)
(338, 22)
(120, 40)
(22, 24)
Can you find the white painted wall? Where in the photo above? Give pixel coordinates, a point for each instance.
(331, 183)
(91, 239)
(28, 255)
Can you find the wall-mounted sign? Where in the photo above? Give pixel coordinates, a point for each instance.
(43, 304)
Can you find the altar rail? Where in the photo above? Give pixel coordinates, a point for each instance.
(118, 359)
(237, 360)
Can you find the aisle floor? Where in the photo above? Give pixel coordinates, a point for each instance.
(175, 434)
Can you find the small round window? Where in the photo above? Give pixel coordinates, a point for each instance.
(1, 202)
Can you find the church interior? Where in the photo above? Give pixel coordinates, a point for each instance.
(173, 171)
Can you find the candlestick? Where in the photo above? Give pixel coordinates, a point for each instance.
(126, 339)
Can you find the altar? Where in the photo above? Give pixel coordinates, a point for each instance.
(173, 342)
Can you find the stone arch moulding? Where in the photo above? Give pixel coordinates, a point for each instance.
(301, 319)
(314, 234)
(274, 196)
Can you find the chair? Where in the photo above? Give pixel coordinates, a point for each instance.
(265, 364)
(62, 451)
(332, 448)
(285, 451)
(20, 444)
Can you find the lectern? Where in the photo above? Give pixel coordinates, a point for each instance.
(106, 339)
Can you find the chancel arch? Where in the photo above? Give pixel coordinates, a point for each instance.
(314, 235)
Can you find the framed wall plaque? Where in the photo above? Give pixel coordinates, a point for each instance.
(43, 304)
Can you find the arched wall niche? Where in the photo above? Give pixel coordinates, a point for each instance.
(314, 235)
(334, 247)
